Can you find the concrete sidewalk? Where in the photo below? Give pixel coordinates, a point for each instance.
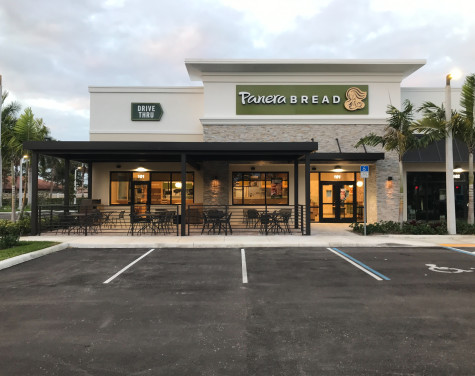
(323, 235)
(316, 240)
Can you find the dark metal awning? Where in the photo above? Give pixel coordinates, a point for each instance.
(435, 153)
(349, 157)
(119, 151)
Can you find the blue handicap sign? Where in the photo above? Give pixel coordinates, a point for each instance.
(364, 168)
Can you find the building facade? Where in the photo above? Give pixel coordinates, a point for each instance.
(329, 103)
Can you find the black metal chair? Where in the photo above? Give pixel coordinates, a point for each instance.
(252, 218)
(285, 215)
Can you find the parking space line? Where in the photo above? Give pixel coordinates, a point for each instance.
(128, 266)
(244, 267)
(373, 273)
(460, 250)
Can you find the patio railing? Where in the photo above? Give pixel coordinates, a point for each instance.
(228, 220)
(166, 220)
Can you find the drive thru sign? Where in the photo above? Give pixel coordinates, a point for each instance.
(364, 172)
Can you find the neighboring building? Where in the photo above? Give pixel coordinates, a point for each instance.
(240, 136)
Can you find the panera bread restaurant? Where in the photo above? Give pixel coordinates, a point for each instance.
(257, 146)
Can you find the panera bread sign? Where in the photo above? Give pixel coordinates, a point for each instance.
(146, 112)
(301, 100)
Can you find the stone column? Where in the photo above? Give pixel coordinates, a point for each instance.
(216, 183)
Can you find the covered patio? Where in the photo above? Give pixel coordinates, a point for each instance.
(195, 218)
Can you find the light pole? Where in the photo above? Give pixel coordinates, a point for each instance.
(20, 199)
(449, 162)
(1, 160)
(75, 183)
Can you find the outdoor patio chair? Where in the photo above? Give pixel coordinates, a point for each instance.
(252, 218)
(285, 215)
(121, 218)
(138, 224)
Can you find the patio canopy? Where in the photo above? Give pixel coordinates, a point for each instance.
(184, 152)
(119, 151)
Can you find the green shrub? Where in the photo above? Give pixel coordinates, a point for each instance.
(410, 227)
(463, 228)
(10, 232)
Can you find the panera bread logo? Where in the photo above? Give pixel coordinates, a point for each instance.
(355, 98)
(302, 100)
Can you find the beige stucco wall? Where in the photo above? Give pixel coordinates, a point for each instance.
(110, 118)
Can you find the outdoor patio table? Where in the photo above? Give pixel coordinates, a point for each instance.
(213, 221)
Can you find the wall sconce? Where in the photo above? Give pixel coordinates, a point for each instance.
(389, 182)
(215, 182)
(140, 169)
(359, 183)
(314, 169)
(178, 184)
(337, 169)
(458, 169)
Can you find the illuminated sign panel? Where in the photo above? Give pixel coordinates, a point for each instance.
(302, 100)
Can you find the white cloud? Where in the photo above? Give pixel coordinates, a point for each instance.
(52, 51)
(276, 16)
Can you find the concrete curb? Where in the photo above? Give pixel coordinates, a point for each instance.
(32, 255)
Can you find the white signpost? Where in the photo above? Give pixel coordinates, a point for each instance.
(364, 173)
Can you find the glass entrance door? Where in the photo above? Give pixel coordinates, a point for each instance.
(140, 197)
(337, 202)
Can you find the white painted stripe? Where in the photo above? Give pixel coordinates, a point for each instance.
(128, 266)
(355, 264)
(244, 267)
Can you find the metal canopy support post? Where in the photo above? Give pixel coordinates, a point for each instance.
(34, 195)
(89, 180)
(296, 193)
(66, 182)
(183, 194)
(307, 193)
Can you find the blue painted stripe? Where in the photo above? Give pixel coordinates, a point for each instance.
(460, 250)
(361, 264)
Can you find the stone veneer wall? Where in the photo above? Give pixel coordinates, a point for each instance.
(383, 200)
(218, 194)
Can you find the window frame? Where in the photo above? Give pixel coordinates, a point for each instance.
(233, 173)
(130, 173)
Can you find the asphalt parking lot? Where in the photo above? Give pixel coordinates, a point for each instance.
(257, 311)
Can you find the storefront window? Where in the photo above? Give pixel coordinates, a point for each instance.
(359, 198)
(260, 188)
(120, 188)
(337, 176)
(314, 196)
(165, 187)
(426, 196)
(141, 176)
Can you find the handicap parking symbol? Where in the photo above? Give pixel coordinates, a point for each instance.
(445, 269)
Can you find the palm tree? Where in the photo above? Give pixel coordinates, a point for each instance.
(465, 131)
(462, 125)
(9, 118)
(399, 136)
(27, 128)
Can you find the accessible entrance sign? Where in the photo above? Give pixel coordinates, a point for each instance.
(364, 171)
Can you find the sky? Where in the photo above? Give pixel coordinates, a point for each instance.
(52, 50)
